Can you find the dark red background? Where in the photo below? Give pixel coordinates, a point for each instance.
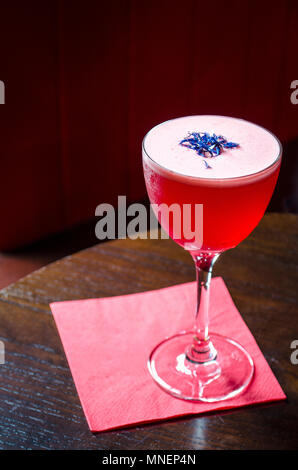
(85, 80)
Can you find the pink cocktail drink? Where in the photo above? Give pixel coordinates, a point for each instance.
(234, 189)
(227, 168)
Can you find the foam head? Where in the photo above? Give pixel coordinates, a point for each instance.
(258, 148)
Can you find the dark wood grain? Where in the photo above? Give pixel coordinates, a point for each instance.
(39, 406)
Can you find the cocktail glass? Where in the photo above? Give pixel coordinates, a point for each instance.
(198, 365)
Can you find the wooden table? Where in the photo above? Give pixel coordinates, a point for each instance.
(39, 406)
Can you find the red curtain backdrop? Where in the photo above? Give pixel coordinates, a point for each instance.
(85, 80)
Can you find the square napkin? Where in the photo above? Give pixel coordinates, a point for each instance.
(107, 343)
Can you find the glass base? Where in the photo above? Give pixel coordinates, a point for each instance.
(219, 379)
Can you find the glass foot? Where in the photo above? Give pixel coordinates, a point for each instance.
(224, 377)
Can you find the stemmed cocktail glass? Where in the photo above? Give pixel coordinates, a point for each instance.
(199, 365)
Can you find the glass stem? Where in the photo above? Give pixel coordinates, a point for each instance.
(202, 349)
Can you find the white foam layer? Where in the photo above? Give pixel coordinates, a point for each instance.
(258, 148)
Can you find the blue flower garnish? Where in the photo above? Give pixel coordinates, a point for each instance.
(206, 145)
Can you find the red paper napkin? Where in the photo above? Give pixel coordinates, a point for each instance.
(107, 343)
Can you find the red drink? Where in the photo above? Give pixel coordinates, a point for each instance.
(232, 206)
(228, 167)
